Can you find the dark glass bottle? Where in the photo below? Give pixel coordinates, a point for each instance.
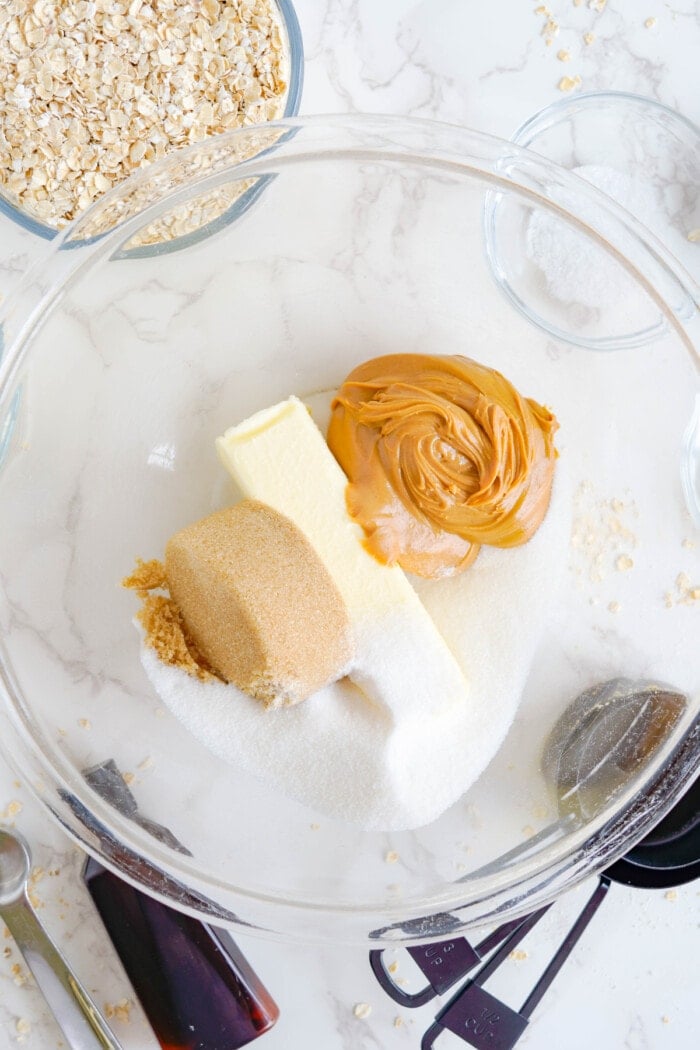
(196, 988)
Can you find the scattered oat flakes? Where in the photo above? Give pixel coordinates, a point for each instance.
(398, 1021)
(518, 954)
(550, 29)
(12, 809)
(19, 976)
(528, 830)
(569, 83)
(600, 532)
(687, 592)
(694, 235)
(119, 1011)
(128, 778)
(665, 1019)
(624, 563)
(6, 952)
(597, 5)
(362, 1010)
(614, 607)
(563, 55)
(314, 827)
(35, 877)
(391, 856)
(671, 895)
(688, 543)
(588, 38)
(650, 23)
(393, 967)
(22, 1026)
(84, 723)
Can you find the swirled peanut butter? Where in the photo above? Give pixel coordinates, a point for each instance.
(442, 455)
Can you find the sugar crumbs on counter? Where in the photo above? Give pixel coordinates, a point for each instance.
(162, 621)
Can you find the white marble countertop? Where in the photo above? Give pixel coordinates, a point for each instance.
(632, 981)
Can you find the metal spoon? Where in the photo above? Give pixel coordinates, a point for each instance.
(71, 1004)
(603, 738)
(600, 742)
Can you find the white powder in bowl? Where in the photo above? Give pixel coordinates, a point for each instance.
(574, 268)
(341, 755)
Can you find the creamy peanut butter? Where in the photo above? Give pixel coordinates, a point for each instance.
(442, 455)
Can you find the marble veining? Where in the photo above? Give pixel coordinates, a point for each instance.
(633, 980)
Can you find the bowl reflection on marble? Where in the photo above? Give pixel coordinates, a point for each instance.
(366, 238)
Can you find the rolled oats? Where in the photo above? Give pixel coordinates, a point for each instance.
(92, 90)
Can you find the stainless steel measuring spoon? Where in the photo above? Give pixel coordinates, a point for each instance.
(72, 1006)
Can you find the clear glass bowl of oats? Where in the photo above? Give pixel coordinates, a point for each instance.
(119, 373)
(95, 91)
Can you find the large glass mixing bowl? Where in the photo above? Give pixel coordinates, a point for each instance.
(367, 238)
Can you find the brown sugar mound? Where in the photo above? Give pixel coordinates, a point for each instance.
(147, 576)
(162, 621)
(258, 603)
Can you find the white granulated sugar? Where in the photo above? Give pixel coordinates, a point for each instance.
(368, 768)
(574, 269)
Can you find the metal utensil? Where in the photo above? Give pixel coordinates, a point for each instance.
(604, 735)
(72, 1006)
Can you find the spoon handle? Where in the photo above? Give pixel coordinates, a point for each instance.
(72, 1006)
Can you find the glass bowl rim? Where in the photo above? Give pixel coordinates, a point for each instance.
(525, 881)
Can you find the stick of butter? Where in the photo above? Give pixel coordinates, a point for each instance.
(402, 664)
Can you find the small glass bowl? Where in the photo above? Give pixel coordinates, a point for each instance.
(635, 150)
(241, 200)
